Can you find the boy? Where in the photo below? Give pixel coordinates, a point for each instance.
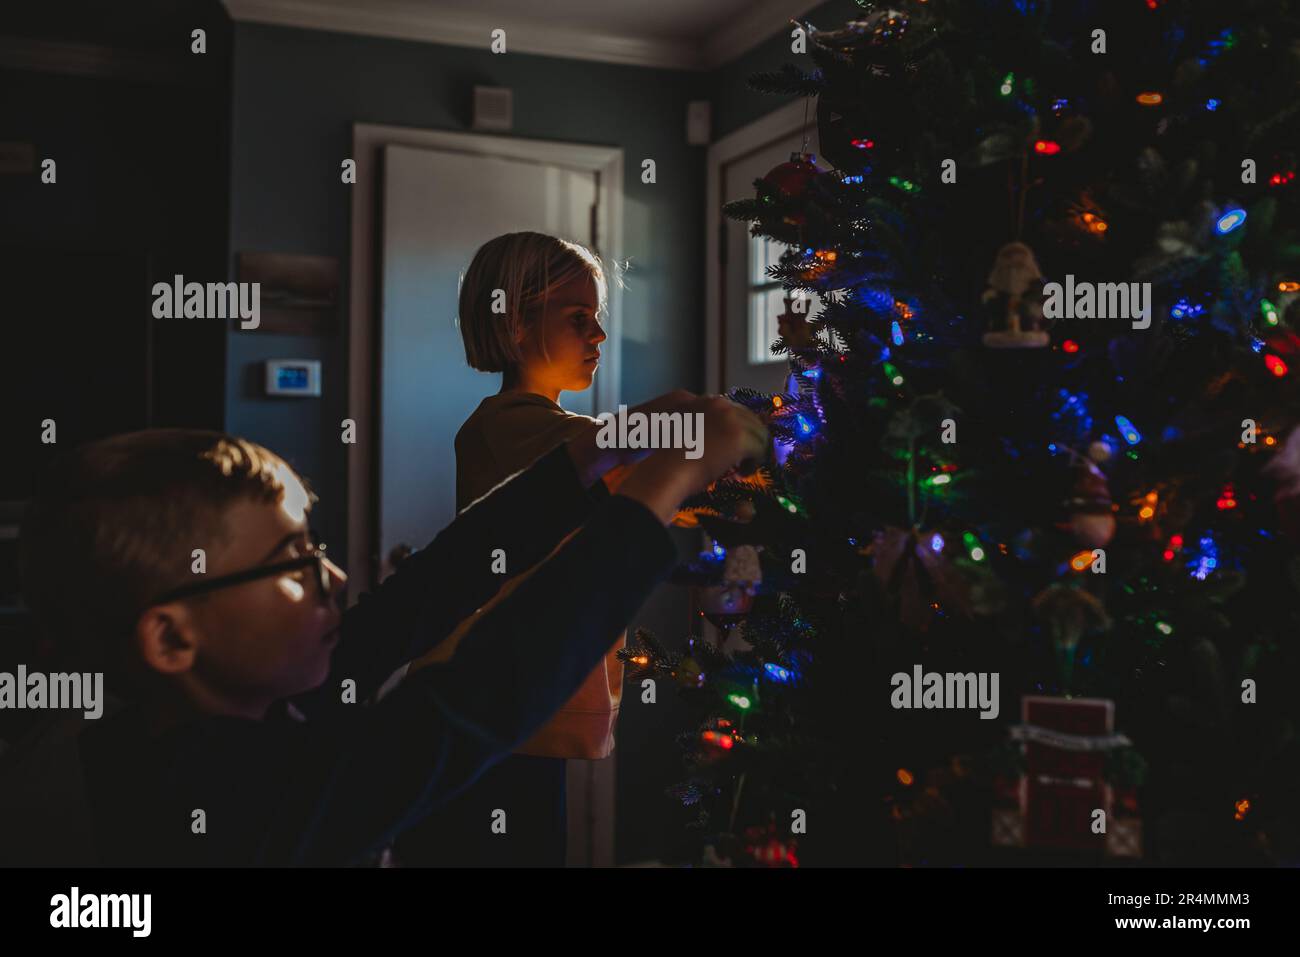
(207, 767)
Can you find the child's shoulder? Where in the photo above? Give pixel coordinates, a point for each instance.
(508, 431)
(509, 414)
(505, 412)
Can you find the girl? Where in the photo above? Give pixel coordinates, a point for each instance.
(529, 308)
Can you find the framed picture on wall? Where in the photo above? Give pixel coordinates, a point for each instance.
(299, 295)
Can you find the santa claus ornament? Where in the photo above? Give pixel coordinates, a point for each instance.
(1015, 297)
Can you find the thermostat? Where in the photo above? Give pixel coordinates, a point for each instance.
(293, 377)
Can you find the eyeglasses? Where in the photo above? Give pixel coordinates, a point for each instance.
(315, 560)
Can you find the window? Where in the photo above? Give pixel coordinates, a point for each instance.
(767, 300)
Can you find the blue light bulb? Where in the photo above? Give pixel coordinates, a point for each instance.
(1131, 435)
(1230, 221)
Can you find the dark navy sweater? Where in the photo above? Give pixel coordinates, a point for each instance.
(338, 787)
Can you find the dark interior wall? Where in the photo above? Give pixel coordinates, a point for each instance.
(133, 120)
(296, 94)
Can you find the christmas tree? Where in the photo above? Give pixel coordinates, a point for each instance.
(1040, 430)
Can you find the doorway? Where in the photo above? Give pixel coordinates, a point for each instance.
(462, 189)
(424, 202)
(439, 207)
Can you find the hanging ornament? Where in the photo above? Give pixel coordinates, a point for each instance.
(792, 325)
(1067, 614)
(918, 575)
(725, 605)
(1099, 451)
(1088, 507)
(793, 178)
(1015, 299)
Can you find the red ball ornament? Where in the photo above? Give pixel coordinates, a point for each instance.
(793, 177)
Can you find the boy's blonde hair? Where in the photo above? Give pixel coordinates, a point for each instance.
(528, 268)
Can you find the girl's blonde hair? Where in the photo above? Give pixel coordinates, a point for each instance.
(527, 268)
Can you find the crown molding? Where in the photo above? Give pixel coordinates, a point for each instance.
(424, 23)
(402, 20)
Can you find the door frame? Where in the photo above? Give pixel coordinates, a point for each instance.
(368, 139)
(757, 135)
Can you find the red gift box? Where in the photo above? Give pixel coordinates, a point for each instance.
(1051, 806)
(1062, 786)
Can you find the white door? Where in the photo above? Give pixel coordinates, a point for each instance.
(750, 301)
(439, 206)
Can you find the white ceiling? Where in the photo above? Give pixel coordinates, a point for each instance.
(682, 34)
